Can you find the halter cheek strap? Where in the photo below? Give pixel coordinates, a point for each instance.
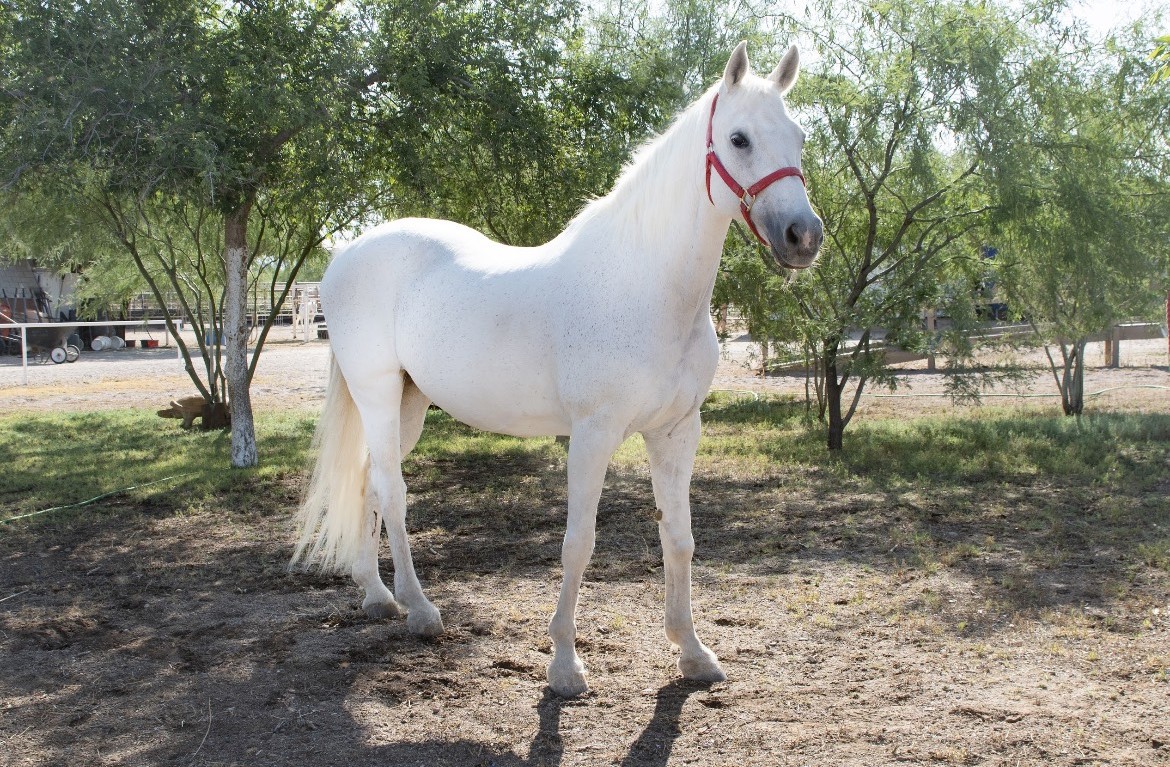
(747, 197)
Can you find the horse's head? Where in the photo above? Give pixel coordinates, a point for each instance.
(754, 147)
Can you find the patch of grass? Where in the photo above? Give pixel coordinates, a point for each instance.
(52, 460)
(1155, 553)
(759, 464)
(1099, 448)
(988, 446)
(444, 437)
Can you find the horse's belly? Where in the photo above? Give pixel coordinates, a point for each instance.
(484, 397)
(490, 372)
(499, 418)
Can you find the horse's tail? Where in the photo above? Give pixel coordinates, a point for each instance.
(333, 509)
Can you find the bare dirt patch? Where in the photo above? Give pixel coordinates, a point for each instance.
(860, 624)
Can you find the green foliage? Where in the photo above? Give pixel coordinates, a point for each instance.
(1084, 201)
(509, 131)
(936, 128)
(163, 95)
(517, 145)
(897, 117)
(1160, 56)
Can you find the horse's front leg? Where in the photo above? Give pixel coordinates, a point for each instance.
(589, 451)
(672, 458)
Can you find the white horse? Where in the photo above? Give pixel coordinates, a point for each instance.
(600, 333)
(304, 311)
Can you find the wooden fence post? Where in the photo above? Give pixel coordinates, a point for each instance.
(931, 323)
(1113, 347)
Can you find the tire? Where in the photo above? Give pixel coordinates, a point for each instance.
(72, 353)
(58, 355)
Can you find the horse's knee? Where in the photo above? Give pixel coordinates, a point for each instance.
(577, 549)
(678, 544)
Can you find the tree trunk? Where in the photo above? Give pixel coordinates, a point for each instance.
(1072, 390)
(235, 310)
(808, 374)
(833, 388)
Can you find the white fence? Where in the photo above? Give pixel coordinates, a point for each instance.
(25, 326)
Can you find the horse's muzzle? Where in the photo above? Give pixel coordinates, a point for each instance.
(796, 243)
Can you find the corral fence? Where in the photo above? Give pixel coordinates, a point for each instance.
(145, 306)
(790, 359)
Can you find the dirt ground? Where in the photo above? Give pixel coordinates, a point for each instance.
(867, 626)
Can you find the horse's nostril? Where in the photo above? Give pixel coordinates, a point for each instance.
(791, 235)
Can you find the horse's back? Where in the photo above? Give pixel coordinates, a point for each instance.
(467, 318)
(515, 340)
(388, 256)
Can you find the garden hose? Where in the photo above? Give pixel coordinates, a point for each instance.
(97, 497)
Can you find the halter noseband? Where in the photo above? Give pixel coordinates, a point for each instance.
(747, 197)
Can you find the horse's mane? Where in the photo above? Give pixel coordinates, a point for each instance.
(652, 183)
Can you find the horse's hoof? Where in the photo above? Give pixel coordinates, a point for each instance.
(569, 682)
(381, 610)
(424, 623)
(703, 667)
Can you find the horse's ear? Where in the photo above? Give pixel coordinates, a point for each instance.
(737, 66)
(784, 75)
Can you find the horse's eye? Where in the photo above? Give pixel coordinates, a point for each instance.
(739, 141)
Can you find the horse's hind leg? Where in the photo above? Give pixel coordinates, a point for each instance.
(379, 602)
(383, 419)
(672, 458)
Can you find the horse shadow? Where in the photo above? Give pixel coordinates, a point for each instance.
(652, 747)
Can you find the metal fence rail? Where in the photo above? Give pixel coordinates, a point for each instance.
(146, 306)
(24, 327)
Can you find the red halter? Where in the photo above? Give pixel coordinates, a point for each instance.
(747, 197)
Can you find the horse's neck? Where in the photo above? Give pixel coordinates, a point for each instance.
(659, 222)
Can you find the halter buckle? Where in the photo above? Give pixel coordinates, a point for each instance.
(747, 201)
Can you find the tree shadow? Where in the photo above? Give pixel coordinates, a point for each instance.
(140, 607)
(225, 657)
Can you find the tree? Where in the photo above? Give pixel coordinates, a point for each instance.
(156, 105)
(517, 157)
(898, 113)
(212, 116)
(519, 162)
(1084, 215)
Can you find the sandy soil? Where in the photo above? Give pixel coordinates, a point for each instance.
(859, 625)
(292, 373)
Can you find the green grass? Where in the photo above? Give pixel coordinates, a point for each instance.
(53, 460)
(988, 446)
